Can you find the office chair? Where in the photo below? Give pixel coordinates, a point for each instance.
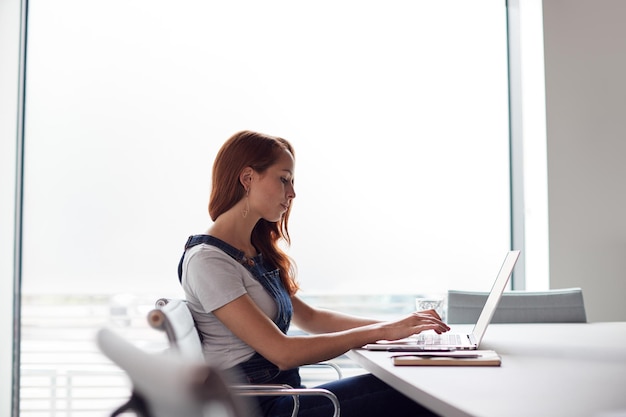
(552, 306)
(173, 317)
(166, 386)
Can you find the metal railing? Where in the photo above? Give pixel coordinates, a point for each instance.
(58, 393)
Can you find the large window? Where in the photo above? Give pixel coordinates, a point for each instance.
(398, 112)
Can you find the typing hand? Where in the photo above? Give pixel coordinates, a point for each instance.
(413, 324)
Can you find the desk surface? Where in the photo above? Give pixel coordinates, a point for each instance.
(547, 370)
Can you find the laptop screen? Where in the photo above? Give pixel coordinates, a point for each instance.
(496, 293)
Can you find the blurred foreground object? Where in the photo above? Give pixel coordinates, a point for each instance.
(169, 386)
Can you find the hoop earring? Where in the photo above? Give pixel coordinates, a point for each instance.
(246, 209)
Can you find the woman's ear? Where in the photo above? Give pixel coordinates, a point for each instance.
(245, 178)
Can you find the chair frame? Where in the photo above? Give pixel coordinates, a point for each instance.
(158, 319)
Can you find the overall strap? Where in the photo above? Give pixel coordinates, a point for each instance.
(191, 242)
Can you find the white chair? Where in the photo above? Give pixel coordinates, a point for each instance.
(552, 306)
(167, 386)
(173, 317)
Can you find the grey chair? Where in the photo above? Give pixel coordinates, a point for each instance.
(173, 317)
(166, 386)
(552, 306)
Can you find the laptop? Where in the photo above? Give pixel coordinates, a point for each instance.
(450, 341)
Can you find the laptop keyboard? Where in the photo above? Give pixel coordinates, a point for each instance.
(438, 339)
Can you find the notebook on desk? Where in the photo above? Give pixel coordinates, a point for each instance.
(451, 340)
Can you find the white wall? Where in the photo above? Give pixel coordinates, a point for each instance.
(585, 60)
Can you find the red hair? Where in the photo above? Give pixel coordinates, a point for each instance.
(259, 151)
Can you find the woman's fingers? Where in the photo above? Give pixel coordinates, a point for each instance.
(430, 312)
(430, 320)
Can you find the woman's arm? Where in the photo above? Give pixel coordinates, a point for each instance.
(316, 320)
(250, 324)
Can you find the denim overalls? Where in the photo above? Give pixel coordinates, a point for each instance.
(257, 369)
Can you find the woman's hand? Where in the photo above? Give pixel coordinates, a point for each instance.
(415, 323)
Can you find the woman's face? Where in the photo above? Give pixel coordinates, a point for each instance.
(272, 191)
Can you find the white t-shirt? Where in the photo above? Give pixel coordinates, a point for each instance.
(211, 279)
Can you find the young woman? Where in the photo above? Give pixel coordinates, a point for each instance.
(241, 289)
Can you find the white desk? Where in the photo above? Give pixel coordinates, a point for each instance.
(547, 370)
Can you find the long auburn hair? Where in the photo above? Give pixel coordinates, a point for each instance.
(259, 151)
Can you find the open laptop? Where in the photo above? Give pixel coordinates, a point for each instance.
(431, 341)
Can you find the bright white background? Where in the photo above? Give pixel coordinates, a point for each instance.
(398, 111)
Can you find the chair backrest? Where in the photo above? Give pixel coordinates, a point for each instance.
(552, 306)
(166, 386)
(174, 318)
